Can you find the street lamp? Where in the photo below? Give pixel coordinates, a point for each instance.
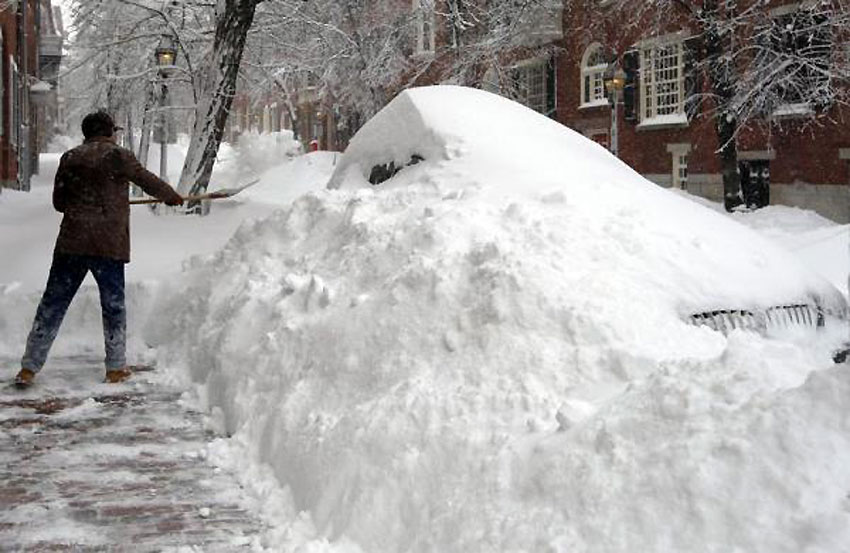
(166, 55)
(614, 79)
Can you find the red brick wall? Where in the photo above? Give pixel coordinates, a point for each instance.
(8, 160)
(810, 155)
(8, 23)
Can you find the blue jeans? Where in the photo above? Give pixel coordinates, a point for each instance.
(66, 275)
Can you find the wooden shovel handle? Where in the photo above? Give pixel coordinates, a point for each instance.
(210, 196)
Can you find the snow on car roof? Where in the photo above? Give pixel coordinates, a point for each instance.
(474, 142)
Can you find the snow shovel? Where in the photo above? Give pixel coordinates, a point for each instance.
(215, 195)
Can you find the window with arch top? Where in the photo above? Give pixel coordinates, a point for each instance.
(593, 65)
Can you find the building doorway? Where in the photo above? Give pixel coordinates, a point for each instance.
(755, 182)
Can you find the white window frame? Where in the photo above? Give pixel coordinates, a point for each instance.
(596, 73)
(680, 170)
(533, 94)
(662, 81)
(679, 167)
(426, 23)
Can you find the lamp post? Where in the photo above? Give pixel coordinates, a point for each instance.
(166, 55)
(614, 79)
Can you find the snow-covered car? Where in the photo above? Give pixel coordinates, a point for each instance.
(491, 346)
(658, 246)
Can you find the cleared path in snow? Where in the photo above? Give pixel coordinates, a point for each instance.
(86, 466)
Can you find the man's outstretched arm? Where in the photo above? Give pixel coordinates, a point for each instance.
(147, 181)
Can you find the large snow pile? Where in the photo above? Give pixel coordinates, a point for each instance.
(814, 239)
(487, 353)
(284, 183)
(255, 152)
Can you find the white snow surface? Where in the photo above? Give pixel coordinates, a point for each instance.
(487, 353)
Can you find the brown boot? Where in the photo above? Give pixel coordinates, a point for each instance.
(24, 379)
(114, 376)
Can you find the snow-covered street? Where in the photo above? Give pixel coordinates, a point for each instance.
(490, 350)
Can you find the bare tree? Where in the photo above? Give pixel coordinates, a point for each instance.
(354, 53)
(492, 36)
(112, 63)
(357, 54)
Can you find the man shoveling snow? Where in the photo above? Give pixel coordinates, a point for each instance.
(90, 189)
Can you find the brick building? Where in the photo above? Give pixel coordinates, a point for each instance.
(316, 121)
(797, 163)
(27, 101)
(783, 159)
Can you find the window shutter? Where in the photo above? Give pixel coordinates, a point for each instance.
(550, 87)
(631, 65)
(691, 78)
(586, 89)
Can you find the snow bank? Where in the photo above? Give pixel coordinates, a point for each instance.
(748, 452)
(284, 183)
(252, 155)
(533, 157)
(487, 352)
(813, 239)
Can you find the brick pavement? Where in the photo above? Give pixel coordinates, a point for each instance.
(87, 466)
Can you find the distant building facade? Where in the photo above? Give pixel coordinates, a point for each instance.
(558, 71)
(30, 105)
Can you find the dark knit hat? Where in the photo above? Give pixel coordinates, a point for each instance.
(98, 123)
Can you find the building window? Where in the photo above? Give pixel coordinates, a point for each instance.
(662, 81)
(531, 85)
(593, 65)
(680, 170)
(800, 45)
(425, 26)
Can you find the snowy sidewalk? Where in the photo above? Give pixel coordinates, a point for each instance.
(86, 466)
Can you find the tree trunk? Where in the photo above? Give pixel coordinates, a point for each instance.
(147, 123)
(720, 75)
(216, 97)
(725, 125)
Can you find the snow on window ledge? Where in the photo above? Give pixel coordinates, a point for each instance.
(663, 121)
(803, 109)
(595, 103)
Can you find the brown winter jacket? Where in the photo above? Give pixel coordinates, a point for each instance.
(91, 189)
